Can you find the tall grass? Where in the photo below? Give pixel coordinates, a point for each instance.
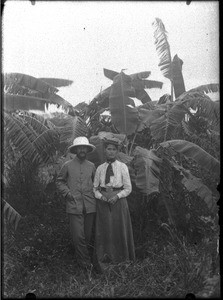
(49, 269)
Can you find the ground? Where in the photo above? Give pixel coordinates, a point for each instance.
(39, 259)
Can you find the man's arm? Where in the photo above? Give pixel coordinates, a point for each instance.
(93, 173)
(61, 181)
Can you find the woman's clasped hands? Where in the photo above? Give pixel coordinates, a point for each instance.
(112, 200)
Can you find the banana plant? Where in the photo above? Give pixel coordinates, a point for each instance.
(25, 92)
(32, 139)
(37, 138)
(167, 119)
(128, 122)
(124, 115)
(163, 120)
(171, 68)
(117, 101)
(139, 83)
(145, 166)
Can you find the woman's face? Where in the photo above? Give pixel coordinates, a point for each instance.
(111, 151)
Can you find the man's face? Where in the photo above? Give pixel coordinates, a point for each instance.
(82, 152)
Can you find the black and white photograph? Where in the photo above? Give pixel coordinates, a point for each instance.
(110, 149)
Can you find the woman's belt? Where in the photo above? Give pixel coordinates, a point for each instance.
(110, 188)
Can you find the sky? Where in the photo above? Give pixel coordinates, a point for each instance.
(76, 39)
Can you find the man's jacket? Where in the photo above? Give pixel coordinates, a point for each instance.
(75, 182)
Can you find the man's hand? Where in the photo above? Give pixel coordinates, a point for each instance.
(113, 200)
(103, 198)
(69, 196)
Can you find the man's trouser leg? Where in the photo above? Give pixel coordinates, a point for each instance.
(81, 232)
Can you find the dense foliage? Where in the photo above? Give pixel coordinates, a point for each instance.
(172, 150)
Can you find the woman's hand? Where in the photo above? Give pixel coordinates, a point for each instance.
(113, 200)
(103, 198)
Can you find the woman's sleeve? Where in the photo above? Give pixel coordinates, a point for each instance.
(97, 193)
(127, 186)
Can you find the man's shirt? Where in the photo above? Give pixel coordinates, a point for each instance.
(76, 177)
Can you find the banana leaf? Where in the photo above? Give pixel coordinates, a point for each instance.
(138, 79)
(21, 102)
(141, 75)
(102, 99)
(146, 165)
(165, 126)
(148, 105)
(125, 158)
(56, 99)
(191, 150)
(37, 146)
(142, 96)
(163, 48)
(36, 122)
(207, 88)
(29, 82)
(177, 76)
(124, 117)
(81, 106)
(110, 74)
(57, 82)
(11, 215)
(147, 117)
(139, 83)
(202, 104)
(194, 184)
(68, 127)
(164, 98)
(98, 155)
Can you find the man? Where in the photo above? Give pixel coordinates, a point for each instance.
(75, 181)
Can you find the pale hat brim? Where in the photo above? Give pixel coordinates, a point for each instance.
(90, 147)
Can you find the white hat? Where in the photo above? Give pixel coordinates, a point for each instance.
(81, 141)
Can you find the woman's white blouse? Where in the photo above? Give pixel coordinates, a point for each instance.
(121, 178)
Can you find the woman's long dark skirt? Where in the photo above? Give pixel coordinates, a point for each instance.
(114, 237)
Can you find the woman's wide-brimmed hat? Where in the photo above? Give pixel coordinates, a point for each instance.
(81, 141)
(112, 141)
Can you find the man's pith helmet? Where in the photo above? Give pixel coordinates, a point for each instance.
(81, 141)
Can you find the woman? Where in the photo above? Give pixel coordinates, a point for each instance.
(114, 238)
